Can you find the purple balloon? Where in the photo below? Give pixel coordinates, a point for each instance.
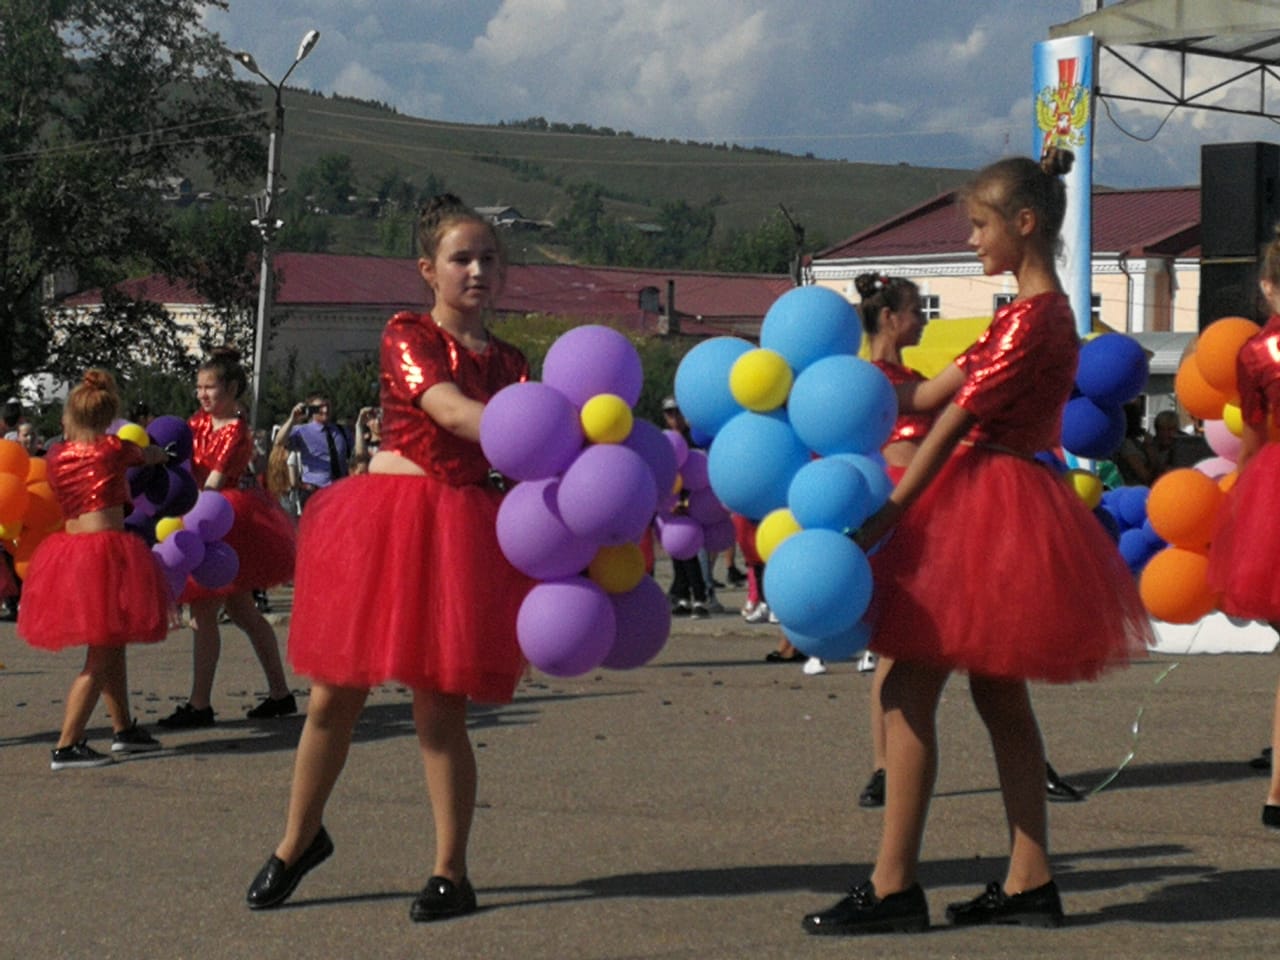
(169, 429)
(143, 524)
(607, 495)
(591, 360)
(704, 507)
(533, 536)
(656, 450)
(181, 550)
(173, 491)
(719, 536)
(211, 517)
(529, 431)
(566, 627)
(176, 580)
(679, 444)
(644, 621)
(694, 471)
(219, 566)
(680, 536)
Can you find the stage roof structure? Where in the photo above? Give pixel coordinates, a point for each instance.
(1242, 33)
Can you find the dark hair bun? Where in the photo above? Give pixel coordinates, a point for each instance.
(225, 354)
(868, 284)
(1057, 161)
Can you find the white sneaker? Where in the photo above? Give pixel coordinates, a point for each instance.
(773, 617)
(867, 662)
(813, 666)
(759, 615)
(748, 609)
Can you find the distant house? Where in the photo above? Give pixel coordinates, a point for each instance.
(331, 308)
(509, 218)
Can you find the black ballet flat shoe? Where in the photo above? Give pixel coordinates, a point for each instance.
(270, 708)
(1262, 761)
(442, 899)
(863, 912)
(872, 794)
(1041, 907)
(1271, 816)
(275, 882)
(1059, 790)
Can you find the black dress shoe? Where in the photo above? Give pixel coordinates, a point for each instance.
(270, 708)
(1262, 761)
(1058, 789)
(1041, 907)
(275, 882)
(442, 899)
(872, 794)
(1271, 816)
(863, 912)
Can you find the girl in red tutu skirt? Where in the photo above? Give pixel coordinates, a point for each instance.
(261, 535)
(433, 602)
(1242, 557)
(92, 584)
(960, 587)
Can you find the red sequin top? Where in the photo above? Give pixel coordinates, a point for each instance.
(1258, 374)
(226, 449)
(90, 475)
(1020, 373)
(416, 355)
(908, 426)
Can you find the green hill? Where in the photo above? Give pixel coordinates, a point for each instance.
(531, 169)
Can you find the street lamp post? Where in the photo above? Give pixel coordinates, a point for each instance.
(265, 220)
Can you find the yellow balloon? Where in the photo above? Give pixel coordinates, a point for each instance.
(1233, 418)
(166, 526)
(134, 434)
(773, 529)
(606, 418)
(760, 380)
(1087, 487)
(617, 569)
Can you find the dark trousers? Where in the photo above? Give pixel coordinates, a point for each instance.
(688, 583)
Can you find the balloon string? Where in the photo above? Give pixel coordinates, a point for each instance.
(1137, 730)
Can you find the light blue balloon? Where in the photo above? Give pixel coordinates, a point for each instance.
(818, 583)
(871, 466)
(830, 494)
(806, 324)
(752, 461)
(702, 384)
(842, 404)
(840, 646)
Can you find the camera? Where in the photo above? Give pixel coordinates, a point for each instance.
(314, 408)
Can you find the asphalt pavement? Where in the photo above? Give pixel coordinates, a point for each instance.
(694, 808)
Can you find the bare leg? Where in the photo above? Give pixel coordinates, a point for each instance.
(206, 648)
(1273, 792)
(450, 764)
(879, 749)
(1005, 707)
(245, 614)
(115, 688)
(322, 753)
(910, 698)
(83, 696)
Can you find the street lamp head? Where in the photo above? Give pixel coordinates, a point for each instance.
(308, 42)
(245, 59)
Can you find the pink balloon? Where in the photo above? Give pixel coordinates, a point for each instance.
(533, 536)
(1216, 467)
(680, 536)
(607, 495)
(529, 431)
(1222, 441)
(644, 622)
(566, 627)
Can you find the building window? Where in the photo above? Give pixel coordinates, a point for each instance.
(931, 306)
(1001, 300)
(1095, 310)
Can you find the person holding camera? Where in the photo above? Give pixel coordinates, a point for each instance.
(322, 446)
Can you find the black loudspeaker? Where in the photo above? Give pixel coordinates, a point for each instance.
(1239, 198)
(1239, 209)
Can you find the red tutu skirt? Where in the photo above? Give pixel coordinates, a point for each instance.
(401, 578)
(1243, 557)
(1000, 570)
(102, 589)
(264, 540)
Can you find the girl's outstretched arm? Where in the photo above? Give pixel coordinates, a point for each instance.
(453, 410)
(931, 394)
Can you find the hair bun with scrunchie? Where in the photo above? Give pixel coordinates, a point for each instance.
(1057, 161)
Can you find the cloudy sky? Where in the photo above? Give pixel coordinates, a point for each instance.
(927, 82)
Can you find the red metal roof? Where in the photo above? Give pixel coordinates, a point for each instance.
(1159, 221)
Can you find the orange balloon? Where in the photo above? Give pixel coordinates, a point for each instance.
(1196, 394)
(21, 567)
(27, 544)
(1228, 480)
(37, 470)
(43, 512)
(14, 458)
(1174, 587)
(1216, 350)
(1183, 508)
(13, 498)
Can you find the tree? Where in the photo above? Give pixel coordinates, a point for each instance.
(330, 183)
(217, 250)
(101, 101)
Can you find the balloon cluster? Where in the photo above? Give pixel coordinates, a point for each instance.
(1112, 370)
(1126, 510)
(691, 517)
(590, 476)
(796, 427)
(29, 511)
(184, 525)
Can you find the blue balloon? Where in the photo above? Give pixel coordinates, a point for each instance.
(842, 404)
(808, 323)
(1089, 430)
(830, 494)
(872, 468)
(702, 384)
(1131, 504)
(1112, 369)
(1108, 521)
(840, 646)
(752, 462)
(1153, 538)
(1136, 549)
(818, 583)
